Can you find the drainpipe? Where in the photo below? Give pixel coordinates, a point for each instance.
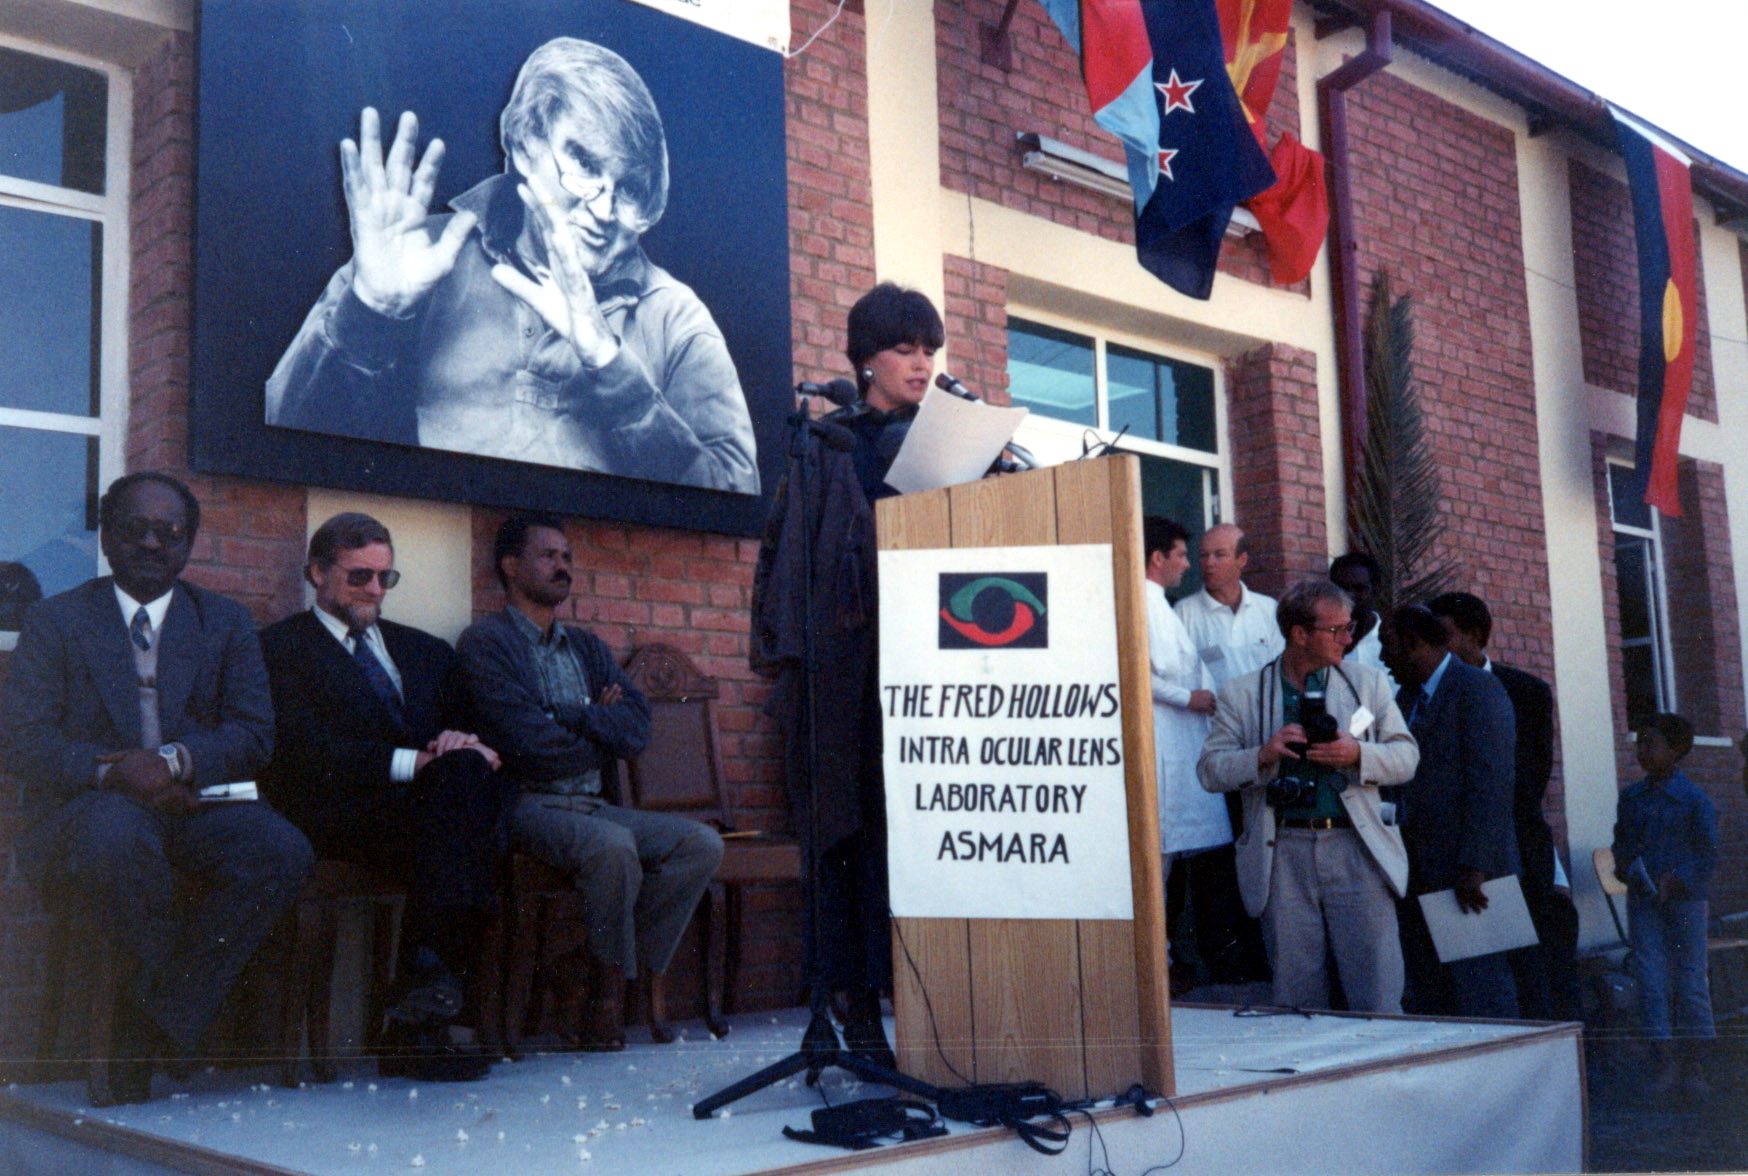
(1343, 244)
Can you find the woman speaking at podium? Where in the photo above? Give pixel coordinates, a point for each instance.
(814, 590)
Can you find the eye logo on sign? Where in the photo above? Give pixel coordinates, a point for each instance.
(983, 611)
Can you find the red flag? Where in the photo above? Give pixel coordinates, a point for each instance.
(1294, 214)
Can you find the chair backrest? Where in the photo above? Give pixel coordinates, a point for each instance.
(1603, 859)
(681, 769)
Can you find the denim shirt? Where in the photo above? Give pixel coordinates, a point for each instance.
(1673, 826)
(564, 692)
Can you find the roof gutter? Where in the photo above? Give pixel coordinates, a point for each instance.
(1551, 99)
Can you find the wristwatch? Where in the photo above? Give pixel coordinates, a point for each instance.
(172, 760)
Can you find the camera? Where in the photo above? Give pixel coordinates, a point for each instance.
(1288, 789)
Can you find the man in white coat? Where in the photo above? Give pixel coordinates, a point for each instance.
(1319, 862)
(1195, 832)
(1232, 627)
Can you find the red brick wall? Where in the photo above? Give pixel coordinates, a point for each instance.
(1606, 265)
(1277, 466)
(982, 108)
(831, 211)
(976, 317)
(1436, 203)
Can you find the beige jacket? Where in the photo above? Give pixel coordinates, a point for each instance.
(1388, 755)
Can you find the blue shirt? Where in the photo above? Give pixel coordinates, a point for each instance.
(1428, 690)
(1673, 826)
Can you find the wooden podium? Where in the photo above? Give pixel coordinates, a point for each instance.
(1081, 1006)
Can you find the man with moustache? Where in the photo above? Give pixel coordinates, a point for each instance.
(125, 696)
(554, 703)
(528, 324)
(375, 765)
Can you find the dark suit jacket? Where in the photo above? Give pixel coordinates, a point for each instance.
(72, 693)
(1459, 806)
(336, 739)
(1532, 702)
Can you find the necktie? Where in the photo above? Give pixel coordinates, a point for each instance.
(1421, 698)
(141, 629)
(381, 684)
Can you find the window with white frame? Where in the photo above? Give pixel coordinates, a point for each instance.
(1646, 654)
(1086, 389)
(63, 240)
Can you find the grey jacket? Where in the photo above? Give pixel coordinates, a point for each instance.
(1388, 755)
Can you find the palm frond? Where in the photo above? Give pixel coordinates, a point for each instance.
(1395, 508)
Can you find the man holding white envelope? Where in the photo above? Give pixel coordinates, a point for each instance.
(1308, 741)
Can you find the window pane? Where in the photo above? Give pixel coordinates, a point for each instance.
(51, 271)
(1160, 399)
(1630, 555)
(1179, 491)
(53, 119)
(48, 528)
(1630, 507)
(1638, 662)
(1051, 372)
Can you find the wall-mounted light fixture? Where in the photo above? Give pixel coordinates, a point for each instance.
(1070, 165)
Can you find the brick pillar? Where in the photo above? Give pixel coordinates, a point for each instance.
(252, 533)
(1277, 465)
(976, 316)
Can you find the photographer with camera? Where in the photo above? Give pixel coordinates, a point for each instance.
(1308, 741)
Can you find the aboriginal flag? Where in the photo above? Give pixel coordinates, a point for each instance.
(1668, 314)
(1155, 73)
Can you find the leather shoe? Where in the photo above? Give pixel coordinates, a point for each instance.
(432, 996)
(429, 1054)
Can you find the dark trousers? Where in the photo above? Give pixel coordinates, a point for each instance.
(1228, 940)
(444, 831)
(115, 860)
(1478, 987)
(1547, 972)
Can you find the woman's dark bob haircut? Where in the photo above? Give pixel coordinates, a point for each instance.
(887, 316)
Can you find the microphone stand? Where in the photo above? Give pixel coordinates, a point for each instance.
(820, 1045)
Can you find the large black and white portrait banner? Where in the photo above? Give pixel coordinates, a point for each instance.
(1003, 734)
(514, 252)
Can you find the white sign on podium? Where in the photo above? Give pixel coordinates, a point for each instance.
(1003, 734)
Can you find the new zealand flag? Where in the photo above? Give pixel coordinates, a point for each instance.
(1155, 73)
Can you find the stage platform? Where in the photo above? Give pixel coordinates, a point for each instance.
(1256, 1093)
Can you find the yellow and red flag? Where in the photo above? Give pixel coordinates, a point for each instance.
(1294, 213)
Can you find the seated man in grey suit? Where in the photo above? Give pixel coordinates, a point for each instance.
(125, 696)
(556, 706)
(374, 764)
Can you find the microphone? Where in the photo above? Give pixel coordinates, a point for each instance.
(839, 391)
(947, 383)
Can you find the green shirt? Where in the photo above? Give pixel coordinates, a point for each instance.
(1327, 800)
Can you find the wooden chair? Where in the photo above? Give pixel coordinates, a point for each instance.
(83, 978)
(681, 772)
(309, 989)
(1602, 860)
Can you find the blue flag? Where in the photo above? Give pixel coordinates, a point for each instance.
(1156, 75)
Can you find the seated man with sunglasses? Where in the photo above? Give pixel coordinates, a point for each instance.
(371, 766)
(126, 695)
